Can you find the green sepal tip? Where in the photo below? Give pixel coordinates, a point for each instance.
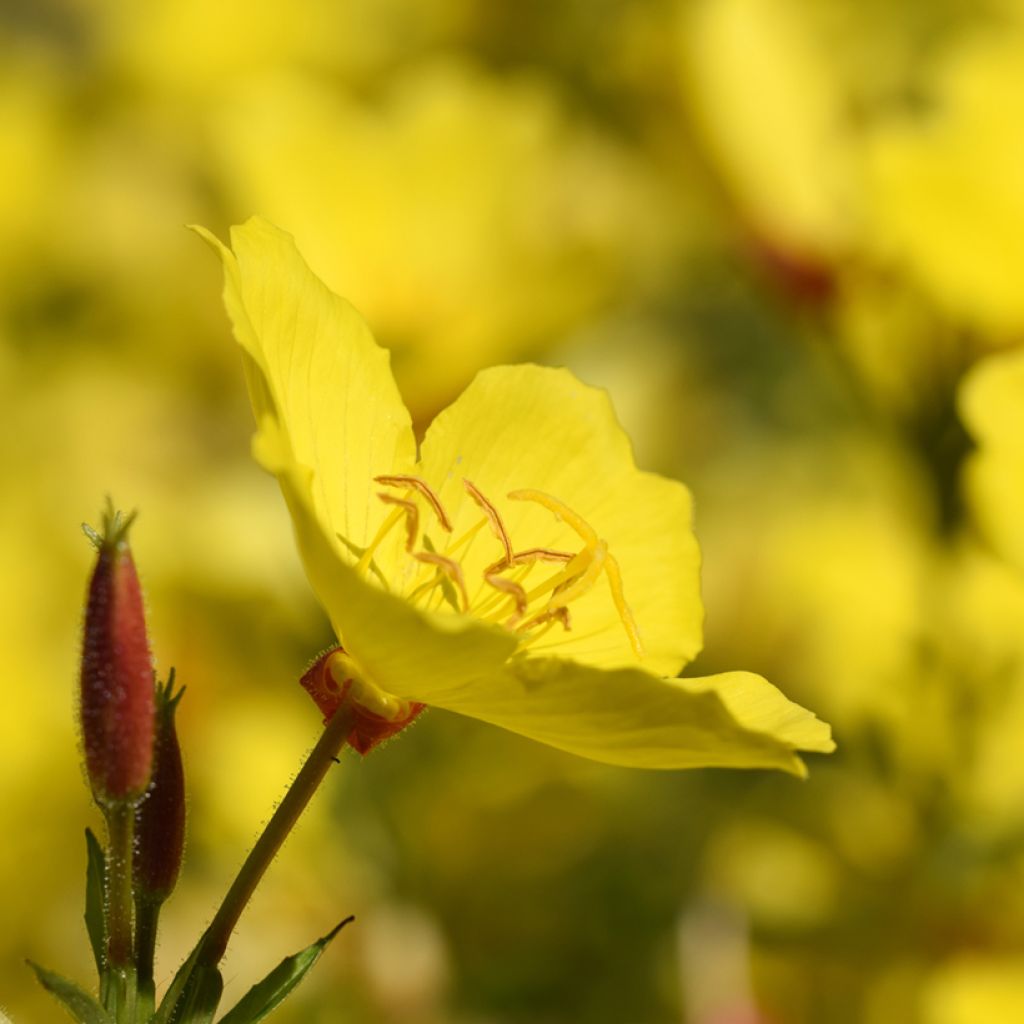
(269, 993)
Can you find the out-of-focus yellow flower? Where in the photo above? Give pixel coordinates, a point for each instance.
(825, 582)
(770, 107)
(469, 218)
(191, 50)
(947, 184)
(992, 405)
(452, 579)
(975, 991)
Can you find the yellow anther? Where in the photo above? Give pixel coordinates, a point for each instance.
(493, 517)
(532, 555)
(418, 484)
(450, 568)
(611, 568)
(412, 518)
(547, 619)
(385, 528)
(561, 511)
(511, 589)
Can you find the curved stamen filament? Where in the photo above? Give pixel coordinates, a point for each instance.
(450, 568)
(510, 589)
(465, 538)
(385, 528)
(418, 484)
(493, 517)
(412, 518)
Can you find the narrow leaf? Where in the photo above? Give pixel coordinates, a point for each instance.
(94, 875)
(176, 987)
(200, 998)
(272, 990)
(82, 1006)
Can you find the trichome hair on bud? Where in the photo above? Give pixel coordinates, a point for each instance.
(160, 815)
(117, 694)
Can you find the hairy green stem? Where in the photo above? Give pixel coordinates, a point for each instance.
(147, 916)
(120, 967)
(214, 942)
(120, 822)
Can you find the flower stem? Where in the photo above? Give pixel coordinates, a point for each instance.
(147, 915)
(214, 942)
(120, 967)
(120, 818)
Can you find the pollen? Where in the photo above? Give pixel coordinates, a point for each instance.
(450, 568)
(418, 484)
(582, 570)
(493, 517)
(504, 599)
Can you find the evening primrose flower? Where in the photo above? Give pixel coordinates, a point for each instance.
(518, 568)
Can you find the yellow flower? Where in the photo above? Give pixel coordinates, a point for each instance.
(518, 568)
(992, 406)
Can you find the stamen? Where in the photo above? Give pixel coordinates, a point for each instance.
(611, 568)
(497, 526)
(575, 568)
(548, 618)
(412, 518)
(450, 568)
(561, 511)
(421, 485)
(494, 601)
(385, 528)
(532, 555)
(511, 589)
(585, 580)
(465, 538)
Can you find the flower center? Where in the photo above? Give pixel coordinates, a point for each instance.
(435, 576)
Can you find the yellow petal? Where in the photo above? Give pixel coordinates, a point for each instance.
(397, 648)
(992, 406)
(769, 103)
(632, 718)
(540, 428)
(314, 368)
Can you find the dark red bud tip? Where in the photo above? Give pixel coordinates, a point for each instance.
(160, 816)
(328, 694)
(117, 672)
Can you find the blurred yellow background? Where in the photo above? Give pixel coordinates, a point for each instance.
(788, 235)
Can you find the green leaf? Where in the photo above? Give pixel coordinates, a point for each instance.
(272, 990)
(82, 1006)
(94, 875)
(200, 996)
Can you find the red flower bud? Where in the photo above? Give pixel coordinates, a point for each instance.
(329, 694)
(160, 816)
(117, 672)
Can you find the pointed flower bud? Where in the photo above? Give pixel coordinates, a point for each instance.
(117, 671)
(332, 682)
(160, 816)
